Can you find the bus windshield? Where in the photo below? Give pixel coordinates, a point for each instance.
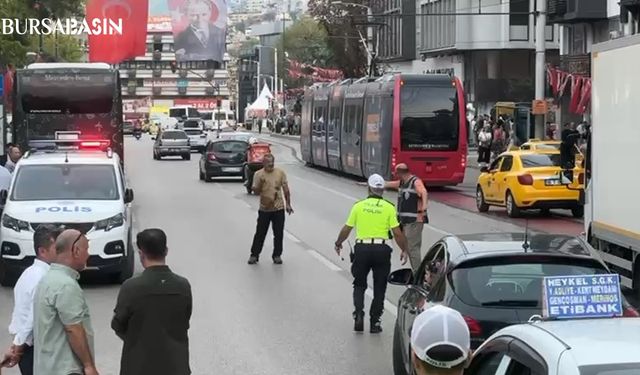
(429, 119)
(68, 93)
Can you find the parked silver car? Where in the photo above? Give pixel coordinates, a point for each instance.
(172, 143)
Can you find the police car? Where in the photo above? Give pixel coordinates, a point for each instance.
(79, 185)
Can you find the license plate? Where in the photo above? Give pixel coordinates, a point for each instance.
(174, 149)
(231, 169)
(552, 182)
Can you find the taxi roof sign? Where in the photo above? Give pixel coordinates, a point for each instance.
(582, 296)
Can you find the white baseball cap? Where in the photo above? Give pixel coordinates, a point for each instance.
(440, 337)
(376, 181)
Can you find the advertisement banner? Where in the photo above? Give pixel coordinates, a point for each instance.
(159, 16)
(136, 105)
(200, 104)
(199, 29)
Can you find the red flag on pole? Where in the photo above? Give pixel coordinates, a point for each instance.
(576, 93)
(115, 47)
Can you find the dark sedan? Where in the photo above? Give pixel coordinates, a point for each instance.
(224, 157)
(491, 279)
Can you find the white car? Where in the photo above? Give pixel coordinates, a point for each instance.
(605, 346)
(78, 189)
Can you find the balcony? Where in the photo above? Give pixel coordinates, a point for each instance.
(156, 90)
(576, 64)
(576, 11)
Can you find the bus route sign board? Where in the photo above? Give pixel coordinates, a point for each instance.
(584, 296)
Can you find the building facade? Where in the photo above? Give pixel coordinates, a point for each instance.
(148, 80)
(584, 23)
(488, 44)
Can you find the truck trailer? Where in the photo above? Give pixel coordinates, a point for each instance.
(612, 209)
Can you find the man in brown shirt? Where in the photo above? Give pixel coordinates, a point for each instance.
(270, 183)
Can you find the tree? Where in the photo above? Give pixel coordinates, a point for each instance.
(343, 37)
(306, 41)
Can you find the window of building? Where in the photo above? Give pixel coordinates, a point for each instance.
(157, 46)
(518, 6)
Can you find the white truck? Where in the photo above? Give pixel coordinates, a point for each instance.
(612, 209)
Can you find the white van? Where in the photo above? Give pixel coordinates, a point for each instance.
(227, 119)
(86, 190)
(183, 112)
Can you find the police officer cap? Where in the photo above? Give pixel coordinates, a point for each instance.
(376, 181)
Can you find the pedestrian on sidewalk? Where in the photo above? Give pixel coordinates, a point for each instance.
(484, 146)
(21, 327)
(63, 334)
(440, 342)
(270, 183)
(152, 314)
(374, 219)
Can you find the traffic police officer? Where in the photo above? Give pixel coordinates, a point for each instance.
(374, 219)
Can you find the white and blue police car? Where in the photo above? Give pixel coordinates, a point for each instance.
(76, 184)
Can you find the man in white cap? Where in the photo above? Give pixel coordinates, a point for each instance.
(441, 342)
(374, 219)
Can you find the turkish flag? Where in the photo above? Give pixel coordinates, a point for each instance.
(131, 42)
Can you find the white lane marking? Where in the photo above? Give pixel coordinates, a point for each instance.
(390, 307)
(336, 192)
(442, 232)
(324, 260)
(292, 237)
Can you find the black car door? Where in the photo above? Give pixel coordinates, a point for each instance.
(414, 299)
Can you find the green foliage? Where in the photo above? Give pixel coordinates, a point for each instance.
(343, 37)
(13, 48)
(306, 41)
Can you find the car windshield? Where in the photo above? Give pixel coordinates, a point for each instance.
(540, 160)
(174, 135)
(206, 116)
(611, 369)
(221, 116)
(548, 146)
(237, 137)
(65, 182)
(514, 281)
(229, 146)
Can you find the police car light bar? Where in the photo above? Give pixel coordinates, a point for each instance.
(70, 144)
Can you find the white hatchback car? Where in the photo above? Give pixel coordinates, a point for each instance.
(607, 346)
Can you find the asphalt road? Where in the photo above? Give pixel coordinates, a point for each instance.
(263, 319)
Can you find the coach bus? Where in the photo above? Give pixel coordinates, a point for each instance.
(84, 97)
(370, 125)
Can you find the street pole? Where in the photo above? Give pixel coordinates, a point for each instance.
(541, 23)
(370, 41)
(258, 75)
(275, 86)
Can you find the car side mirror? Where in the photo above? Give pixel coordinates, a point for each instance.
(4, 194)
(484, 169)
(128, 195)
(401, 277)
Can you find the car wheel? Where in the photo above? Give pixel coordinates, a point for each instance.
(481, 204)
(201, 175)
(248, 180)
(545, 212)
(127, 268)
(512, 209)
(398, 360)
(186, 157)
(577, 212)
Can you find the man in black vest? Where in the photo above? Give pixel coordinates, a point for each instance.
(412, 210)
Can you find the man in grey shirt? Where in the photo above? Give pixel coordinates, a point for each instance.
(63, 336)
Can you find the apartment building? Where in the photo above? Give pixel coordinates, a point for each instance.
(488, 44)
(148, 80)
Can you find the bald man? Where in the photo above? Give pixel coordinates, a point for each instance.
(412, 210)
(63, 335)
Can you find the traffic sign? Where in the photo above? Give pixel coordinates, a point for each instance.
(584, 296)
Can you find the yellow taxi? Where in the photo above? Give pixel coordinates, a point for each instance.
(523, 180)
(538, 145)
